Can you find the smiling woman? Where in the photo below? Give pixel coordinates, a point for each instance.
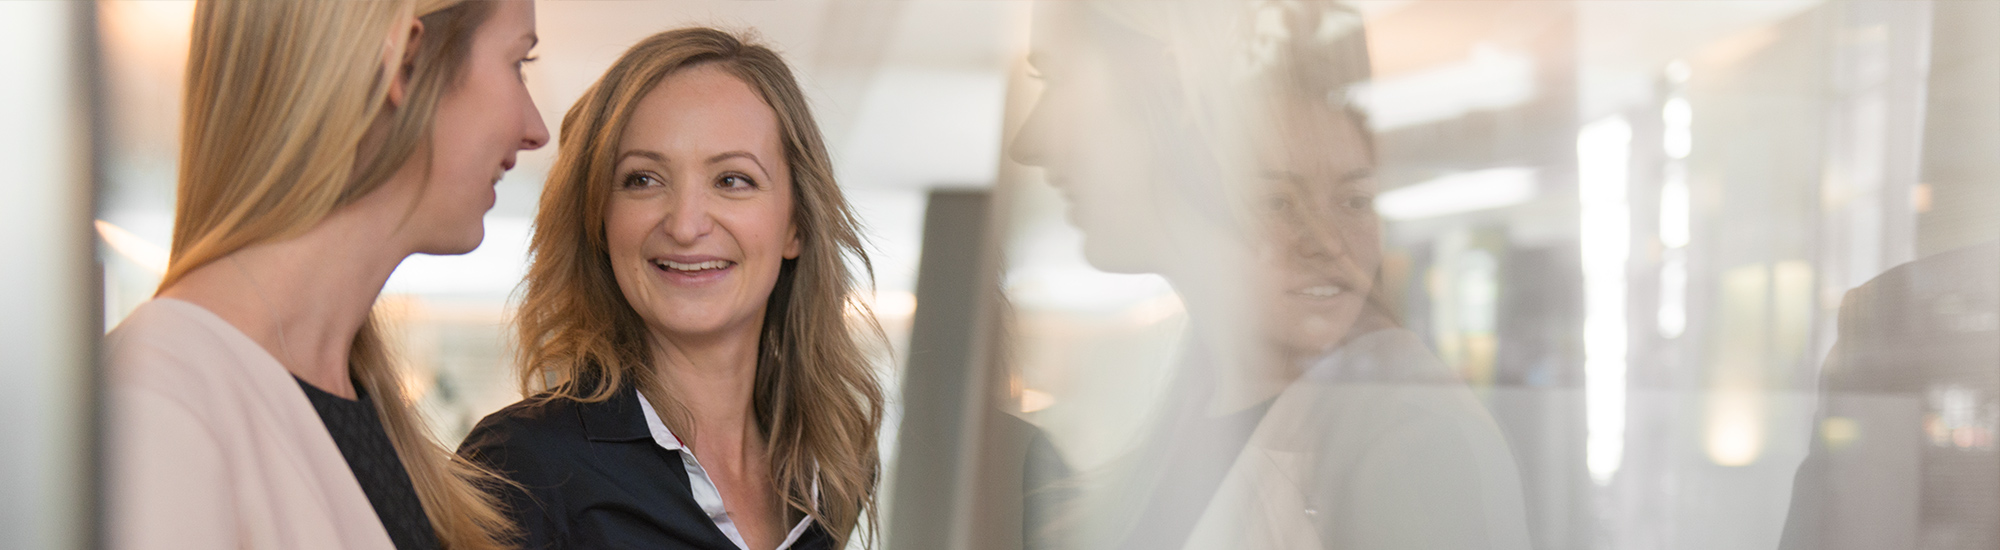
(689, 292)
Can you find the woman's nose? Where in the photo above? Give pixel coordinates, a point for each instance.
(538, 132)
(1314, 236)
(688, 217)
(1030, 142)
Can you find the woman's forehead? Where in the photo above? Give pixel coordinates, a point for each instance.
(701, 111)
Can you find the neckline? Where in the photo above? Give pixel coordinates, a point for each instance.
(229, 331)
(704, 490)
(223, 327)
(360, 393)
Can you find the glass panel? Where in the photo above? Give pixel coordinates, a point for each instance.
(1382, 274)
(1440, 274)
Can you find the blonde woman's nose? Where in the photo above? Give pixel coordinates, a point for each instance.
(538, 131)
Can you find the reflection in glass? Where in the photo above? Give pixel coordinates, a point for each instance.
(1610, 243)
(1218, 145)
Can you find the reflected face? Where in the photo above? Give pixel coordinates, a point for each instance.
(1325, 239)
(483, 120)
(1110, 134)
(700, 220)
(1090, 133)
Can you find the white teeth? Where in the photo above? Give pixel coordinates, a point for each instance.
(1325, 291)
(677, 266)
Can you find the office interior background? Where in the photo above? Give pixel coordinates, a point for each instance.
(1627, 226)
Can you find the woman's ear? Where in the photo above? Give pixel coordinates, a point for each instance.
(399, 79)
(792, 245)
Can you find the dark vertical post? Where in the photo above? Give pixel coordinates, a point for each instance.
(941, 380)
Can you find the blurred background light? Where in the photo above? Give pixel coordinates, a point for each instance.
(1459, 193)
(151, 257)
(1489, 79)
(1603, 152)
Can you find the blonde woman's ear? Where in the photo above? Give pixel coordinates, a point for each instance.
(399, 79)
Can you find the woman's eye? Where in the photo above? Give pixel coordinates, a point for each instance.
(734, 181)
(1360, 202)
(520, 64)
(637, 180)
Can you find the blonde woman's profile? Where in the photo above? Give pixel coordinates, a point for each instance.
(253, 402)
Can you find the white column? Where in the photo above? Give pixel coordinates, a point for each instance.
(48, 279)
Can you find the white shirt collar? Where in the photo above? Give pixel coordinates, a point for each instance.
(705, 493)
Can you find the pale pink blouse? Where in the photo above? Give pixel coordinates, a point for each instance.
(212, 444)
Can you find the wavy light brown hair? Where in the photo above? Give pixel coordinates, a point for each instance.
(279, 97)
(816, 399)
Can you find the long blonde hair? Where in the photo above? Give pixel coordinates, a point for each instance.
(816, 399)
(279, 98)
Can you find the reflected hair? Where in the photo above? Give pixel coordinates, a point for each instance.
(279, 100)
(816, 400)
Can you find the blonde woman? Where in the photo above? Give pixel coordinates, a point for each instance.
(254, 404)
(686, 331)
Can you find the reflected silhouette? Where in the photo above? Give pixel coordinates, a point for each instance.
(1213, 143)
(1905, 453)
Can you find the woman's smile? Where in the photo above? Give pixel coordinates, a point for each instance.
(692, 270)
(1318, 291)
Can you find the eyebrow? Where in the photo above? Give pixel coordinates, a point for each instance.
(660, 158)
(642, 153)
(739, 154)
(1351, 176)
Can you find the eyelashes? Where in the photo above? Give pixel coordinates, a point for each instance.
(519, 64)
(728, 181)
(637, 180)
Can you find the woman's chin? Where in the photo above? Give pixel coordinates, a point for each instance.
(682, 322)
(457, 245)
(1315, 333)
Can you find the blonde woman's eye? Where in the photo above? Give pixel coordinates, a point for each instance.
(734, 181)
(1360, 202)
(519, 65)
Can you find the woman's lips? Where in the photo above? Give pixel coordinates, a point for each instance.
(692, 270)
(1318, 291)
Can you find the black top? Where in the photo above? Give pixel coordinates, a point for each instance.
(593, 478)
(365, 444)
